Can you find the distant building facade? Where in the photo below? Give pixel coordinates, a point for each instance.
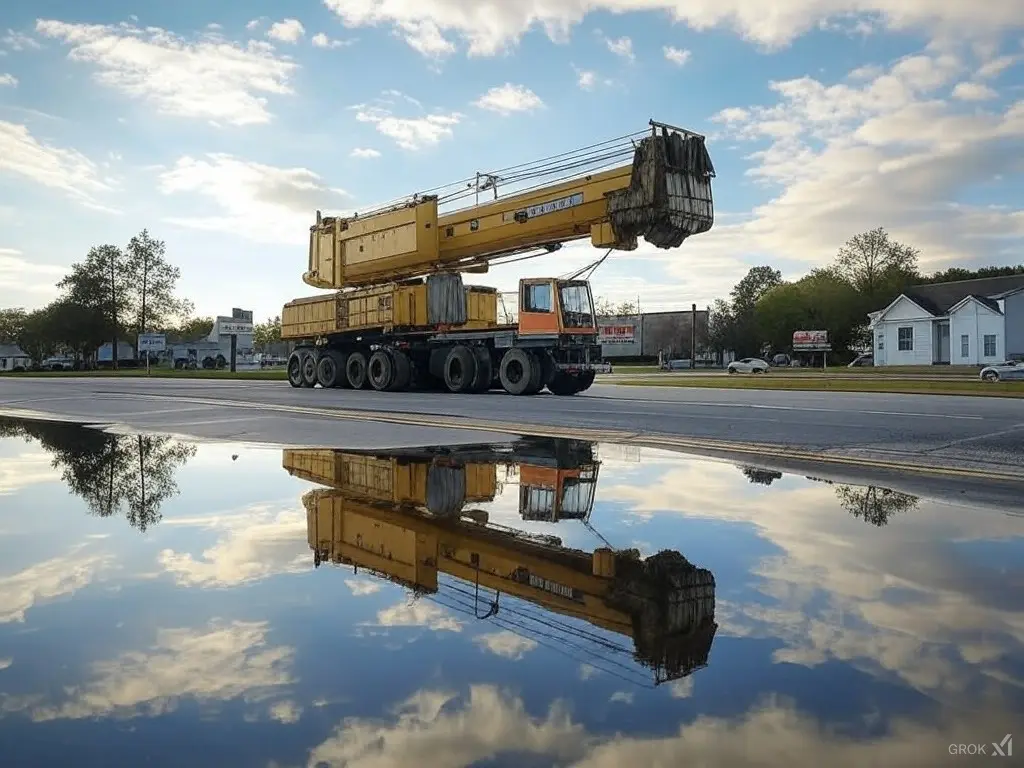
(13, 358)
(650, 334)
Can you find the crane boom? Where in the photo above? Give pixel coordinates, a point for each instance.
(663, 195)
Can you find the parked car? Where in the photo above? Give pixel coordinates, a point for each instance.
(1008, 369)
(866, 360)
(748, 365)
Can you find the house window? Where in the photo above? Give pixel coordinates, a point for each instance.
(906, 339)
(965, 345)
(990, 345)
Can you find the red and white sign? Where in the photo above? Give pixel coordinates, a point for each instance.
(616, 334)
(810, 339)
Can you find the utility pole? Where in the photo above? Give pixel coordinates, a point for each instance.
(693, 336)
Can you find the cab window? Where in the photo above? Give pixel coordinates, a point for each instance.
(538, 298)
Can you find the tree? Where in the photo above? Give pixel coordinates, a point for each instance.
(36, 335)
(190, 329)
(874, 505)
(12, 321)
(267, 333)
(959, 273)
(133, 474)
(102, 282)
(745, 295)
(78, 327)
(821, 300)
(721, 327)
(152, 283)
(877, 266)
(605, 308)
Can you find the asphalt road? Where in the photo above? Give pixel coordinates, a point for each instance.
(955, 431)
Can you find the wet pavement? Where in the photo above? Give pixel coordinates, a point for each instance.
(535, 603)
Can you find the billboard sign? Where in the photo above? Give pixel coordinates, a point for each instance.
(811, 341)
(152, 342)
(235, 327)
(616, 334)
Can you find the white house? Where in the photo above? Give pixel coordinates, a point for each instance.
(12, 357)
(967, 322)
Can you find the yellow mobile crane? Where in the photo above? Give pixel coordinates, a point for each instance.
(400, 316)
(409, 516)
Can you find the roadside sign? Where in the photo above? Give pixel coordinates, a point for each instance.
(235, 328)
(152, 342)
(811, 341)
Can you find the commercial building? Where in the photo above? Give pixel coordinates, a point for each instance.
(966, 322)
(215, 350)
(650, 334)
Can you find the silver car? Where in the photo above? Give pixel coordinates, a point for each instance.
(1004, 371)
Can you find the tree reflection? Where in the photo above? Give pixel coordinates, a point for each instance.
(133, 474)
(761, 476)
(873, 504)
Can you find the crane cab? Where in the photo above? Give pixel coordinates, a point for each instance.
(552, 307)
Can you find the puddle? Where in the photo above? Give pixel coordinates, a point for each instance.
(544, 602)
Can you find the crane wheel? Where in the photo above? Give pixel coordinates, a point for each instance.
(308, 369)
(330, 369)
(586, 379)
(563, 384)
(460, 370)
(537, 373)
(295, 369)
(518, 371)
(403, 371)
(484, 370)
(355, 370)
(381, 370)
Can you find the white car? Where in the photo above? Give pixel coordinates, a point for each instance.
(1008, 369)
(748, 365)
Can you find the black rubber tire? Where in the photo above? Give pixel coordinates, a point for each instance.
(309, 361)
(563, 385)
(536, 374)
(436, 365)
(517, 371)
(403, 371)
(294, 369)
(380, 370)
(355, 370)
(330, 369)
(460, 370)
(547, 368)
(586, 379)
(484, 370)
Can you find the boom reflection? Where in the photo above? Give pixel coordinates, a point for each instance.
(412, 516)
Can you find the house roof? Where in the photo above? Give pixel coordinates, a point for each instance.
(939, 298)
(11, 350)
(922, 304)
(985, 301)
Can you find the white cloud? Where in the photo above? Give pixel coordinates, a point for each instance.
(506, 644)
(252, 545)
(210, 77)
(622, 46)
(21, 470)
(362, 587)
(676, 55)
(63, 169)
(7, 662)
(508, 98)
(419, 613)
(490, 27)
(8, 79)
(255, 23)
(44, 581)
(364, 152)
(286, 31)
(974, 92)
(409, 132)
(433, 729)
(425, 37)
(209, 665)
(996, 66)
(587, 78)
(286, 712)
(261, 202)
(320, 40)
(19, 41)
(846, 157)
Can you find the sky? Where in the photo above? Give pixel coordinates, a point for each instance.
(223, 127)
